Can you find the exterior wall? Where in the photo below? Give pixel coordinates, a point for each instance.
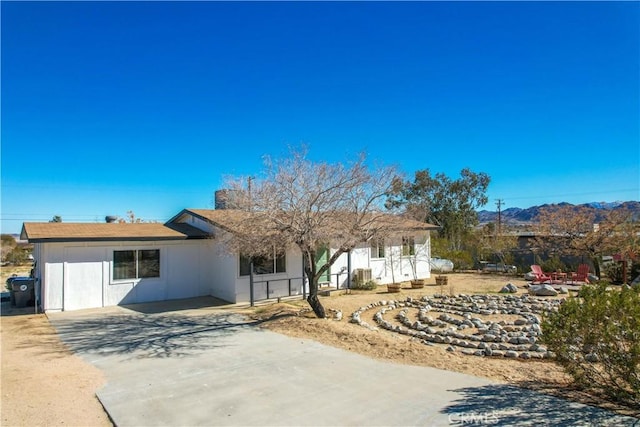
(223, 283)
(275, 285)
(361, 257)
(226, 282)
(393, 265)
(79, 275)
(339, 270)
(197, 222)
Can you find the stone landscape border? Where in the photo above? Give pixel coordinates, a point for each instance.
(517, 339)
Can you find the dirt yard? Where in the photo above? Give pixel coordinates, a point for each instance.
(44, 384)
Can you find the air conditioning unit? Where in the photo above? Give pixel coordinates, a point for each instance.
(363, 275)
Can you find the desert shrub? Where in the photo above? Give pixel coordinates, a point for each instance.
(596, 338)
(553, 264)
(462, 260)
(17, 256)
(367, 285)
(615, 273)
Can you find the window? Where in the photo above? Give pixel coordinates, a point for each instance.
(136, 264)
(263, 264)
(408, 246)
(377, 249)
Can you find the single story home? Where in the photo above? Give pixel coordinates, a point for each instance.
(88, 265)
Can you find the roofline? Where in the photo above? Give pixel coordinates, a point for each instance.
(190, 212)
(176, 216)
(107, 239)
(24, 236)
(425, 227)
(202, 218)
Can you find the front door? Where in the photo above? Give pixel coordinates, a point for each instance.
(322, 257)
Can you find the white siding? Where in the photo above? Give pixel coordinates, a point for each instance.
(77, 275)
(83, 279)
(223, 279)
(185, 265)
(51, 285)
(278, 284)
(381, 268)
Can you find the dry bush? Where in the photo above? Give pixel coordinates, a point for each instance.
(596, 338)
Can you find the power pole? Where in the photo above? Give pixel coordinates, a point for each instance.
(499, 203)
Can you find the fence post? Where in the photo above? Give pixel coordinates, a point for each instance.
(349, 270)
(251, 281)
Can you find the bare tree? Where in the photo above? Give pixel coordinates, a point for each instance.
(131, 218)
(576, 231)
(486, 242)
(310, 205)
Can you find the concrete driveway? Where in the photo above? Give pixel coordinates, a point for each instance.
(214, 367)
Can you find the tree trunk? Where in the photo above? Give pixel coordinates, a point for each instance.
(310, 271)
(313, 300)
(596, 265)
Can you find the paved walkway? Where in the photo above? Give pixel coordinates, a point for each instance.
(213, 368)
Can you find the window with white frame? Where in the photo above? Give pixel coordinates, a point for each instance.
(136, 264)
(276, 263)
(408, 246)
(377, 249)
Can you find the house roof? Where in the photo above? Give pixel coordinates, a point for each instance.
(223, 218)
(36, 232)
(226, 218)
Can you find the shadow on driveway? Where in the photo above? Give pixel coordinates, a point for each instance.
(159, 335)
(499, 404)
(180, 305)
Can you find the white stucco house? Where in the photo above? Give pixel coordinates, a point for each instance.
(88, 265)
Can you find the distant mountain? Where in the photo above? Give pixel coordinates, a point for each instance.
(519, 216)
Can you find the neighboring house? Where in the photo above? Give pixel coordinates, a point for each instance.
(83, 265)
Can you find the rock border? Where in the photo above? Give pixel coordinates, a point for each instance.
(517, 339)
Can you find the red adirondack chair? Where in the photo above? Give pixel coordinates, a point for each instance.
(540, 275)
(582, 275)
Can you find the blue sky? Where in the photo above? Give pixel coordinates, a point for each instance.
(146, 106)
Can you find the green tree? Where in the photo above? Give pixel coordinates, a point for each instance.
(440, 200)
(56, 218)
